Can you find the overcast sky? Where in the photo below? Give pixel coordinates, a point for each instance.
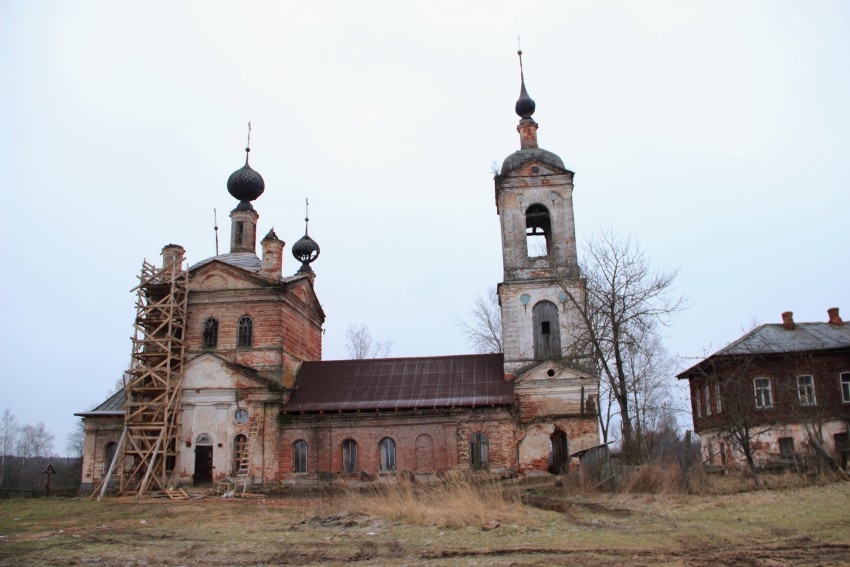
(717, 133)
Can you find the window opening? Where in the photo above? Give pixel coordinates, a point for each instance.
(845, 387)
(241, 416)
(786, 448)
(806, 390)
(479, 452)
(697, 401)
(545, 329)
(349, 456)
(245, 332)
(387, 450)
(707, 400)
(240, 444)
(764, 397)
(538, 231)
(717, 397)
(299, 456)
(210, 333)
(239, 231)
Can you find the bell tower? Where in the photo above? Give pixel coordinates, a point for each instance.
(534, 201)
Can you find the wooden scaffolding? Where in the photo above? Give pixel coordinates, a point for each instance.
(148, 447)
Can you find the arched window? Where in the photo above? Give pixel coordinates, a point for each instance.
(245, 332)
(547, 331)
(299, 456)
(387, 447)
(210, 333)
(349, 456)
(479, 452)
(108, 455)
(240, 462)
(538, 231)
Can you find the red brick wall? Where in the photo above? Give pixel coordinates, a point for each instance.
(450, 431)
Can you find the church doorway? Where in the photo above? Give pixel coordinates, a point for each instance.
(203, 460)
(559, 457)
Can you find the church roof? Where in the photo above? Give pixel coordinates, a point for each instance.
(245, 260)
(401, 383)
(113, 406)
(526, 155)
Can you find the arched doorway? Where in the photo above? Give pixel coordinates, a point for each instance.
(559, 456)
(203, 459)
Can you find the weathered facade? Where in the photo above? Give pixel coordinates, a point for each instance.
(259, 404)
(788, 383)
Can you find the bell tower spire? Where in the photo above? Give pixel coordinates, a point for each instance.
(534, 201)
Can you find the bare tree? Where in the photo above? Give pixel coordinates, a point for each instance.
(76, 440)
(35, 441)
(9, 432)
(626, 302)
(360, 344)
(483, 330)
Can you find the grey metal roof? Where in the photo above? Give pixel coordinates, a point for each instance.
(401, 383)
(245, 260)
(520, 157)
(775, 339)
(114, 405)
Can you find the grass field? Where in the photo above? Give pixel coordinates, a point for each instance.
(801, 526)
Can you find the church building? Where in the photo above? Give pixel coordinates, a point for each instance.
(228, 382)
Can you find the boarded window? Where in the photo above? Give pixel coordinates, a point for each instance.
(424, 453)
(479, 452)
(299, 456)
(538, 231)
(349, 456)
(387, 450)
(547, 336)
(108, 455)
(786, 448)
(210, 333)
(245, 332)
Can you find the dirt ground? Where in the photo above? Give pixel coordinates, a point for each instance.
(804, 526)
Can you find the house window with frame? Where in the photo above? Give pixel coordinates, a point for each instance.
(697, 402)
(806, 390)
(349, 456)
(387, 455)
(717, 397)
(764, 395)
(210, 339)
(845, 387)
(299, 456)
(479, 452)
(707, 400)
(245, 332)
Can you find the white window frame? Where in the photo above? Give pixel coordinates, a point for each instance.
(844, 382)
(707, 400)
(763, 401)
(806, 391)
(717, 397)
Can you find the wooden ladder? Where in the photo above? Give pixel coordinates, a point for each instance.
(243, 472)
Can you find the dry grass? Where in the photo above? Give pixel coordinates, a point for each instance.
(456, 502)
(654, 479)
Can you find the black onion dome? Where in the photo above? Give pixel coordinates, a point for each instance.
(306, 250)
(525, 104)
(246, 185)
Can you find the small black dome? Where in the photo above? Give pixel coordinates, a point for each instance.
(306, 250)
(246, 185)
(525, 104)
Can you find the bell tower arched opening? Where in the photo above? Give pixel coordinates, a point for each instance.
(547, 331)
(538, 231)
